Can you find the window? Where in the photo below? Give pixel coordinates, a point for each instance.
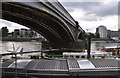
(65, 56)
(77, 56)
(82, 56)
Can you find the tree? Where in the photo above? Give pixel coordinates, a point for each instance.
(4, 31)
(92, 35)
(97, 35)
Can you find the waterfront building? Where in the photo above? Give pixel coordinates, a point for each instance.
(115, 35)
(23, 32)
(30, 33)
(10, 34)
(102, 30)
(16, 33)
(33, 34)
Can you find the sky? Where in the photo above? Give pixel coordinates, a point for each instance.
(10, 25)
(89, 13)
(92, 13)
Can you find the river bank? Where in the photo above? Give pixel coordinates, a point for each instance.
(19, 39)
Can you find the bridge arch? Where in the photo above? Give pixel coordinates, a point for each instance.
(44, 23)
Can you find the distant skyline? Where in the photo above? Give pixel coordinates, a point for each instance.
(10, 25)
(90, 14)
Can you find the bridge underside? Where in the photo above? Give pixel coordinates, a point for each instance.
(53, 29)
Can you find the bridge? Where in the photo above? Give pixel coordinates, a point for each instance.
(49, 19)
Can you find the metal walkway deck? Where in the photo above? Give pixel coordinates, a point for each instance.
(63, 67)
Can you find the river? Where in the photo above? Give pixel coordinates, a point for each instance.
(27, 46)
(33, 46)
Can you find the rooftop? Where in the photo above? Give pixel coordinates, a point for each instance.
(63, 67)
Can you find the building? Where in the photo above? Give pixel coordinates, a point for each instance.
(32, 33)
(25, 33)
(102, 30)
(113, 34)
(16, 33)
(119, 34)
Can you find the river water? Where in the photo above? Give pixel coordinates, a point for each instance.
(98, 45)
(27, 46)
(33, 46)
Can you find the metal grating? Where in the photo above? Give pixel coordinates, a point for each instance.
(73, 64)
(51, 64)
(105, 63)
(20, 63)
(7, 63)
(31, 64)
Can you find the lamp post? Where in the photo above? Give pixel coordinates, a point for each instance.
(88, 46)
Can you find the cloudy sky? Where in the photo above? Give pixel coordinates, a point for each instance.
(89, 13)
(93, 13)
(10, 25)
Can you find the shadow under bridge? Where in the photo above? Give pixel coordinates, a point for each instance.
(49, 19)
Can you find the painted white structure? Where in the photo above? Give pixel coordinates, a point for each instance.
(102, 30)
(80, 55)
(85, 64)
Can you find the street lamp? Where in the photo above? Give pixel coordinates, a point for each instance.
(89, 45)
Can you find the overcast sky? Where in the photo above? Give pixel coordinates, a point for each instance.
(93, 13)
(10, 25)
(89, 14)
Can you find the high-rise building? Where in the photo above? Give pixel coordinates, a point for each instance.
(102, 30)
